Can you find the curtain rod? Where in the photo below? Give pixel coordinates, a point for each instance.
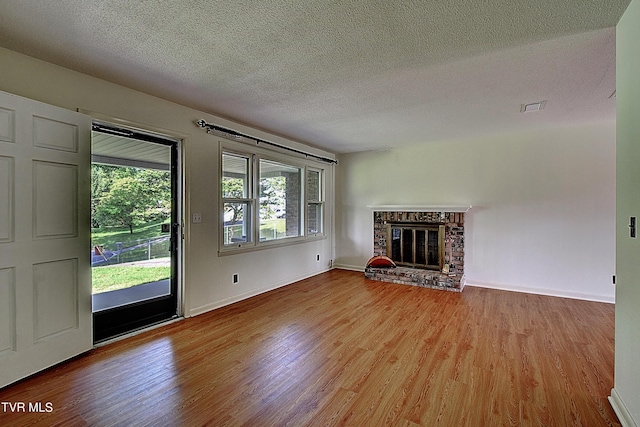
(212, 128)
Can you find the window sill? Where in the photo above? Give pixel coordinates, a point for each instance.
(272, 244)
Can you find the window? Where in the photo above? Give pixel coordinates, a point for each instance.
(315, 204)
(268, 198)
(280, 200)
(236, 199)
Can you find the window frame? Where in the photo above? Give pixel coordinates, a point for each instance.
(248, 200)
(255, 156)
(319, 203)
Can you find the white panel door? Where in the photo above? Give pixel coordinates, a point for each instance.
(45, 269)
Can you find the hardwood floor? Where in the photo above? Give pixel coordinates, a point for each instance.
(337, 349)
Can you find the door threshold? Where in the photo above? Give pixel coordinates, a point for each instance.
(137, 331)
(131, 295)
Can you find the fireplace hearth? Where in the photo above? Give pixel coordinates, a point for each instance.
(427, 246)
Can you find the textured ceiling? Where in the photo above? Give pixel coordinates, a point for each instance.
(345, 76)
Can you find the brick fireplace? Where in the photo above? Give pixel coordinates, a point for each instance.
(427, 244)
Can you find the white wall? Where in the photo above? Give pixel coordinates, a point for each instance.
(208, 278)
(626, 393)
(543, 215)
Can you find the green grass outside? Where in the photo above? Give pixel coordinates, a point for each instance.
(269, 229)
(272, 227)
(110, 235)
(112, 278)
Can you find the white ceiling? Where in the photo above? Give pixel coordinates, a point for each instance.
(344, 76)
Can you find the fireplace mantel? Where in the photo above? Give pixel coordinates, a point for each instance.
(419, 208)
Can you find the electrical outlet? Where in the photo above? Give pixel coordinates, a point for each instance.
(196, 218)
(235, 278)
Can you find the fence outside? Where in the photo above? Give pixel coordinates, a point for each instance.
(130, 251)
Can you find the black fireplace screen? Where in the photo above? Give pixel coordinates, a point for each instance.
(415, 245)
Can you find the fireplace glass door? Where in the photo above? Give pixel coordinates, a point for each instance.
(414, 245)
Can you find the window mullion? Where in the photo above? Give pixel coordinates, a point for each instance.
(255, 195)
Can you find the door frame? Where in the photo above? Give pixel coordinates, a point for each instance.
(177, 230)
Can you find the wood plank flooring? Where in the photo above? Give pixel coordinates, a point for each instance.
(337, 349)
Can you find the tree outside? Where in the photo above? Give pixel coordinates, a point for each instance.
(129, 197)
(272, 206)
(273, 199)
(127, 207)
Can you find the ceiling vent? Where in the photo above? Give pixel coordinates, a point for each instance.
(535, 106)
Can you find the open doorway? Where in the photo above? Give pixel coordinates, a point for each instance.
(134, 229)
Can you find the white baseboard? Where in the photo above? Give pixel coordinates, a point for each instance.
(349, 267)
(621, 411)
(236, 298)
(526, 290)
(542, 291)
